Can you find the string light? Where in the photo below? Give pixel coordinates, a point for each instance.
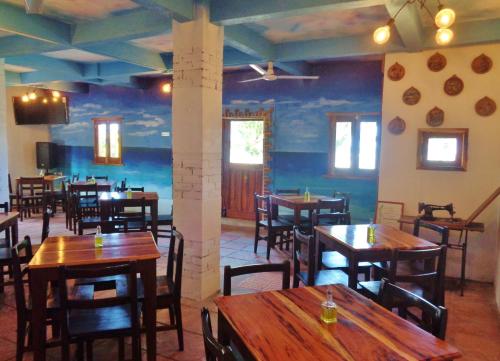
(445, 18)
(444, 36)
(382, 34)
(25, 98)
(45, 101)
(56, 94)
(32, 95)
(166, 88)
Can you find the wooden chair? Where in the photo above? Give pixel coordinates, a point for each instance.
(133, 189)
(86, 320)
(230, 272)
(289, 217)
(21, 255)
(346, 197)
(31, 195)
(135, 219)
(97, 177)
(334, 206)
(214, 351)
(310, 277)
(85, 207)
(332, 259)
(168, 291)
(275, 228)
(75, 177)
(426, 282)
(164, 220)
(60, 198)
(434, 318)
(5, 251)
(12, 195)
(442, 232)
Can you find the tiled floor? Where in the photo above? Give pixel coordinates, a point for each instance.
(473, 326)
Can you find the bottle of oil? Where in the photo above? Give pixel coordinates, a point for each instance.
(307, 195)
(371, 233)
(129, 193)
(329, 308)
(98, 238)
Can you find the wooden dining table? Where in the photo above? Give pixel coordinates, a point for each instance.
(285, 325)
(9, 222)
(122, 200)
(81, 251)
(102, 185)
(297, 203)
(352, 242)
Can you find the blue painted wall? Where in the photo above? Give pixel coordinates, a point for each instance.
(300, 129)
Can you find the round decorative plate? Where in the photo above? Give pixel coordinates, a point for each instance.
(435, 117)
(396, 126)
(485, 107)
(453, 86)
(436, 62)
(396, 72)
(411, 96)
(482, 64)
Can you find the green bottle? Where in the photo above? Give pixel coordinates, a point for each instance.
(307, 195)
(98, 238)
(371, 233)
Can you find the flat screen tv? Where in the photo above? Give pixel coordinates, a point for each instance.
(42, 110)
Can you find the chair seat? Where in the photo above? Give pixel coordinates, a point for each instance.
(326, 277)
(290, 218)
(371, 289)
(164, 287)
(277, 224)
(106, 320)
(335, 260)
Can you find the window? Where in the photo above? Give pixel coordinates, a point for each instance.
(354, 144)
(442, 149)
(107, 140)
(246, 142)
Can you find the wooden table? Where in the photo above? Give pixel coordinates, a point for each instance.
(80, 251)
(8, 222)
(351, 241)
(49, 180)
(285, 325)
(120, 199)
(102, 185)
(296, 203)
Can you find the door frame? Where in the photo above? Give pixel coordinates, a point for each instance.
(237, 114)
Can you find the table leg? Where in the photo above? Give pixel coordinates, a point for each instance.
(39, 304)
(296, 216)
(154, 220)
(464, 260)
(14, 234)
(222, 334)
(148, 276)
(353, 271)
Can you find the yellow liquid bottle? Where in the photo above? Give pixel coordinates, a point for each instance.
(329, 308)
(129, 193)
(98, 238)
(307, 195)
(371, 233)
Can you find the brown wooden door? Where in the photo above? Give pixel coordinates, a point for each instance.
(240, 179)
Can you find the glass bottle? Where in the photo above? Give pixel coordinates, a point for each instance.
(307, 195)
(371, 233)
(92, 180)
(98, 238)
(329, 308)
(129, 193)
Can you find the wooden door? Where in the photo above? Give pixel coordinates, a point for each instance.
(242, 166)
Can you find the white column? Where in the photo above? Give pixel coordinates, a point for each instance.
(197, 143)
(4, 159)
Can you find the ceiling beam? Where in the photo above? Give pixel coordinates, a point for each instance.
(249, 42)
(112, 69)
(233, 12)
(12, 78)
(19, 45)
(48, 76)
(69, 87)
(119, 28)
(181, 10)
(41, 62)
(15, 20)
(408, 25)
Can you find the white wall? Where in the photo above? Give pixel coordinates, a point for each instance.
(4, 190)
(21, 140)
(401, 181)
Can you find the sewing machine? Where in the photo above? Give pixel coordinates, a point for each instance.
(430, 208)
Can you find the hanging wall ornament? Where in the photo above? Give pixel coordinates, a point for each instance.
(436, 62)
(411, 96)
(486, 107)
(482, 64)
(396, 72)
(453, 86)
(435, 117)
(396, 126)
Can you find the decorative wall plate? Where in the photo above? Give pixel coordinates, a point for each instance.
(396, 126)
(485, 107)
(436, 62)
(453, 86)
(411, 96)
(396, 72)
(435, 117)
(482, 64)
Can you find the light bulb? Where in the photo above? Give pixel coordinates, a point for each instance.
(55, 99)
(166, 88)
(444, 36)
(445, 18)
(45, 101)
(56, 94)
(25, 98)
(382, 34)
(32, 95)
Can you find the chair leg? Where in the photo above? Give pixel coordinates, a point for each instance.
(178, 323)
(1, 280)
(367, 272)
(79, 352)
(90, 350)
(21, 335)
(295, 281)
(271, 240)
(257, 232)
(121, 349)
(171, 313)
(56, 329)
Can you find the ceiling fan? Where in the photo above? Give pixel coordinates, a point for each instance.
(270, 76)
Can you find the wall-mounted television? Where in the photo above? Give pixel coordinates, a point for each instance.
(42, 110)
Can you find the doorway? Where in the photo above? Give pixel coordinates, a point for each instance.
(243, 163)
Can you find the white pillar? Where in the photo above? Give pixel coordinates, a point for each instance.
(196, 145)
(4, 158)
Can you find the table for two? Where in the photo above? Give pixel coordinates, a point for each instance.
(297, 203)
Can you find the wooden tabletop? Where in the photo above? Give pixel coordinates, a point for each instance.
(149, 196)
(47, 178)
(80, 250)
(99, 182)
(299, 199)
(386, 237)
(285, 325)
(6, 217)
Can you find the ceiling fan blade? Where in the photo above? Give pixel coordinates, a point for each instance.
(311, 77)
(249, 80)
(258, 69)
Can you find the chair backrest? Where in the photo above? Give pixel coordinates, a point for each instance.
(113, 226)
(133, 189)
(75, 177)
(30, 186)
(301, 242)
(47, 214)
(230, 272)
(18, 272)
(262, 206)
(334, 205)
(214, 351)
(329, 219)
(430, 276)
(5, 207)
(434, 318)
(442, 231)
(345, 196)
(86, 195)
(138, 217)
(127, 298)
(97, 177)
(175, 259)
(288, 192)
(123, 183)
